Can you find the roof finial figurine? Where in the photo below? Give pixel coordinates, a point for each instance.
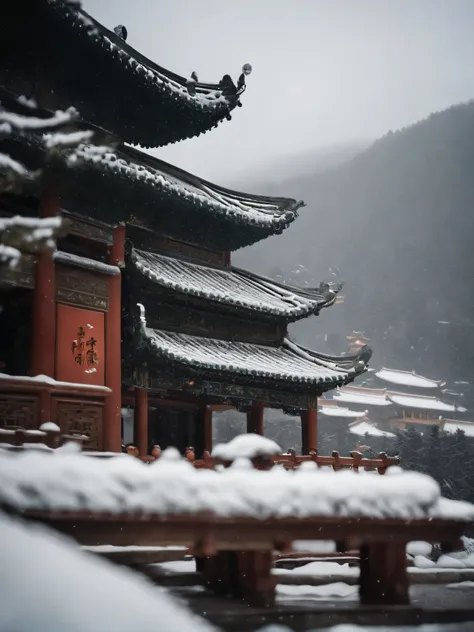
(246, 71)
(191, 83)
(121, 31)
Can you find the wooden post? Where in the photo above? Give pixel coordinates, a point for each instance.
(207, 422)
(255, 421)
(140, 421)
(113, 340)
(43, 343)
(383, 574)
(309, 430)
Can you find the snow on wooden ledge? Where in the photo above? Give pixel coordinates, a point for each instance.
(49, 584)
(49, 381)
(172, 486)
(246, 446)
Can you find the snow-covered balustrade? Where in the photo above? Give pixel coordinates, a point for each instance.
(48, 437)
(239, 511)
(224, 455)
(39, 399)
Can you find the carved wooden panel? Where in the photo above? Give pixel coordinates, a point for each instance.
(84, 418)
(82, 288)
(19, 410)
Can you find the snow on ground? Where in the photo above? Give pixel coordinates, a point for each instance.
(247, 446)
(109, 548)
(49, 585)
(171, 485)
(179, 566)
(419, 548)
(338, 590)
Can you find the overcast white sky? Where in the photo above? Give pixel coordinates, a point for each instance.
(324, 71)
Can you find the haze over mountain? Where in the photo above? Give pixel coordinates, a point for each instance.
(396, 223)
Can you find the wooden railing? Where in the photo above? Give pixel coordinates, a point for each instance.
(356, 461)
(235, 555)
(15, 437)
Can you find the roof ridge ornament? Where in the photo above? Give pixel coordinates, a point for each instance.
(121, 31)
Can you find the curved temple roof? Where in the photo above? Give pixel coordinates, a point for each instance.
(93, 68)
(407, 378)
(425, 402)
(256, 216)
(287, 363)
(233, 287)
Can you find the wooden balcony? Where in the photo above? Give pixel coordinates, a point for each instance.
(77, 409)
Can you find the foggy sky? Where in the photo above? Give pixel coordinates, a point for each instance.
(324, 71)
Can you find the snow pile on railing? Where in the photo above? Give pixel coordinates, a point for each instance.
(172, 486)
(48, 584)
(246, 446)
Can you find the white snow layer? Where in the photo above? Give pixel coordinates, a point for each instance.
(422, 401)
(49, 585)
(171, 485)
(339, 411)
(363, 428)
(406, 378)
(246, 446)
(452, 426)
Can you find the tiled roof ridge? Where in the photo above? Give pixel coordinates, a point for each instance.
(206, 95)
(282, 300)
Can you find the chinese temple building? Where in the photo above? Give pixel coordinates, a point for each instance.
(140, 308)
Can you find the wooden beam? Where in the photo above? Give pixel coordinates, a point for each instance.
(207, 423)
(113, 338)
(43, 342)
(140, 421)
(309, 430)
(255, 420)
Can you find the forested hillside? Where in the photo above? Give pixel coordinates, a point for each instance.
(396, 223)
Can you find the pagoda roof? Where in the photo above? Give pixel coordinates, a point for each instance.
(233, 287)
(425, 402)
(127, 185)
(331, 409)
(287, 364)
(453, 425)
(362, 395)
(407, 378)
(364, 427)
(111, 84)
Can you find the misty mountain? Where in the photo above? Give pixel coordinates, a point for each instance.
(396, 223)
(292, 167)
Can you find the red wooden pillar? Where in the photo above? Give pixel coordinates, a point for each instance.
(113, 340)
(255, 422)
(309, 430)
(140, 421)
(207, 422)
(43, 342)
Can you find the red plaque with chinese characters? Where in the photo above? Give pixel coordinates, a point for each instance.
(80, 346)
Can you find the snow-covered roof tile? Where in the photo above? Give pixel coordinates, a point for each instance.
(365, 427)
(361, 395)
(422, 401)
(258, 211)
(232, 286)
(339, 411)
(144, 103)
(287, 363)
(407, 378)
(453, 425)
